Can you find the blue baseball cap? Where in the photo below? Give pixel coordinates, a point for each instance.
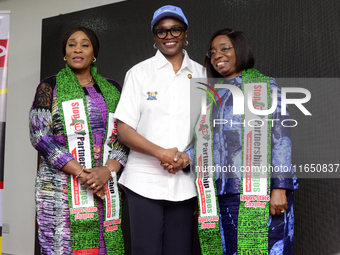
(168, 11)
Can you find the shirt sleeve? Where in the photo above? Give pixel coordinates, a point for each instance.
(191, 154)
(282, 175)
(128, 109)
(41, 129)
(119, 153)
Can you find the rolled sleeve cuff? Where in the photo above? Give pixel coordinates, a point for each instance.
(279, 183)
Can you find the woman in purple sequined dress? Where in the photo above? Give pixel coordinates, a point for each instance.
(95, 160)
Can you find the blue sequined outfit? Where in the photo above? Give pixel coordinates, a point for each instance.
(228, 152)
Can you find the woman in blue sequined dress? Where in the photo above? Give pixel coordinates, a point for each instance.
(229, 54)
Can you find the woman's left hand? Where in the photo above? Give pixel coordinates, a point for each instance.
(101, 193)
(97, 178)
(278, 201)
(180, 157)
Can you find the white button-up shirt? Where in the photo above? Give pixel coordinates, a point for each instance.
(156, 103)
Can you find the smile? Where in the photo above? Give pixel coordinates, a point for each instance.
(170, 43)
(221, 64)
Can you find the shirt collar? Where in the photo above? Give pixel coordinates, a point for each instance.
(161, 61)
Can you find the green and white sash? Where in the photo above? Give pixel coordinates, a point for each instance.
(78, 139)
(252, 229)
(84, 217)
(255, 186)
(208, 217)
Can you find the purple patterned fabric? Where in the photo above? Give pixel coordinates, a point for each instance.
(47, 137)
(99, 101)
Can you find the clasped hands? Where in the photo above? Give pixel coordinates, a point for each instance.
(94, 179)
(173, 160)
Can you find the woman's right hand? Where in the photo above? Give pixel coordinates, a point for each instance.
(97, 178)
(82, 177)
(128, 136)
(179, 160)
(85, 176)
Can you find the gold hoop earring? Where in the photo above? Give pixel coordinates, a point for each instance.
(155, 46)
(65, 59)
(94, 59)
(186, 43)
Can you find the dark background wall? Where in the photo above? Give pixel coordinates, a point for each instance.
(292, 40)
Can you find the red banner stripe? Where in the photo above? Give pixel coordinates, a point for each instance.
(4, 53)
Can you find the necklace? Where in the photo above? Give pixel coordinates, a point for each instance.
(176, 69)
(87, 83)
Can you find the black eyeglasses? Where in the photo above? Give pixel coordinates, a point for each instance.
(174, 31)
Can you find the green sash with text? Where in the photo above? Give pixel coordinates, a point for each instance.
(208, 218)
(252, 236)
(84, 217)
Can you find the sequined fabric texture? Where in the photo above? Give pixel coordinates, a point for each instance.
(47, 136)
(228, 152)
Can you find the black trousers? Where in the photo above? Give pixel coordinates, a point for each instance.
(160, 227)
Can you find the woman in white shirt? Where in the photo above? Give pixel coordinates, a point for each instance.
(154, 121)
